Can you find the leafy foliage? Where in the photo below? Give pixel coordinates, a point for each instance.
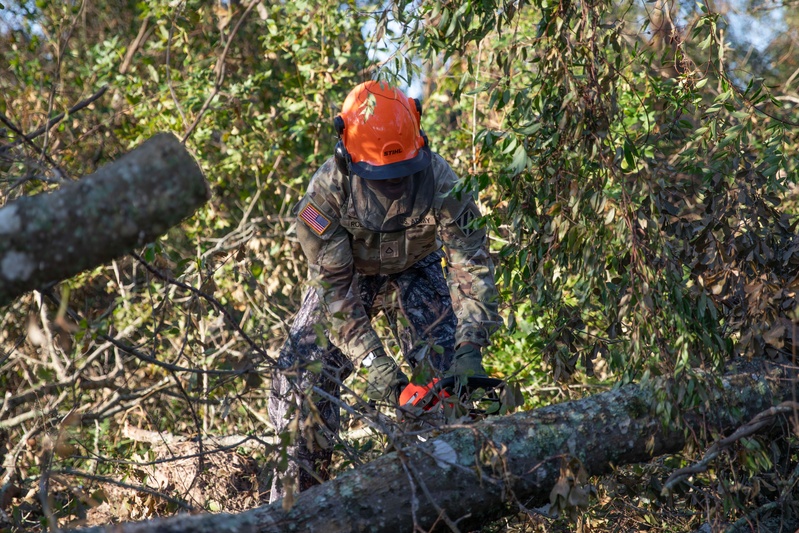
(636, 174)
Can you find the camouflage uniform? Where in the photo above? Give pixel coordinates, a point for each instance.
(356, 273)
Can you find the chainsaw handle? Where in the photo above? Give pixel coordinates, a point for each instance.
(472, 382)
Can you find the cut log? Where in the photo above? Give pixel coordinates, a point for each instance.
(476, 473)
(50, 237)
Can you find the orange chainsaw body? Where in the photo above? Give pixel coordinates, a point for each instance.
(414, 395)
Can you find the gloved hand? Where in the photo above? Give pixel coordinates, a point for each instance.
(468, 361)
(384, 379)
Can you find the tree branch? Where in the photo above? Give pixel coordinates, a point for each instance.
(50, 123)
(761, 420)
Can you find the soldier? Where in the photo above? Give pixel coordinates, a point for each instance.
(372, 224)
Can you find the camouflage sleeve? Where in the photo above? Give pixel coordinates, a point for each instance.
(327, 247)
(471, 270)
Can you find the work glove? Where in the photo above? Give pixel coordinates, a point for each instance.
(468, 361)
(384, 379)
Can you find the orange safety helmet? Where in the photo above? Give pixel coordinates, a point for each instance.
(379, 133)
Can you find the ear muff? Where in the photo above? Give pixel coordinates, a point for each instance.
(421, 131)
(340, 153)
(342, 158)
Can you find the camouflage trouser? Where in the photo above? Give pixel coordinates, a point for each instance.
(421, 296)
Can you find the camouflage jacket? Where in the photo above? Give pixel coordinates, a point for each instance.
(338, 247)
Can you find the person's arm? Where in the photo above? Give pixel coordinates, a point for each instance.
(471, 271)
(327, 247)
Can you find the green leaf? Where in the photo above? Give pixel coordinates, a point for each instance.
(520, 160)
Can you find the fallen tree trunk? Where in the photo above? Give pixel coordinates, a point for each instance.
(479, 472)
(127, 203)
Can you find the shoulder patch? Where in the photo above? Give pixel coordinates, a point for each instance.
(318, 222)
(465, 221)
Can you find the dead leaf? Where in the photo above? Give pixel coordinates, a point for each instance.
(775, 336)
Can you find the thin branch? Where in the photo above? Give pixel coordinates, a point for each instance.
(221, 308)
(220, 72)
(134, 46)
(761, 420)
(45, 461)
(102, 479)
(130, 350)
(747, 523)
(45, 389)
(19, 419)
(50, 123)
(788, 98)
(6, 355)
(167, 60)
(790, 79)
(167, 366)
(25, 139)
(61, 49)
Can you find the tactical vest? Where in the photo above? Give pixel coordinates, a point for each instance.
(389, 253)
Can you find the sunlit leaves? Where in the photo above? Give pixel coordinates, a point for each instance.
(592, 151)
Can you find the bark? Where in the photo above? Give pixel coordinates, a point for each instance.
(666, 39)
(50, 237)
(476, 473)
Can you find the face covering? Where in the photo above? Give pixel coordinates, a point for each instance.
(387, 206)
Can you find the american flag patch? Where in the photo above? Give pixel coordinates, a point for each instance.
(316, 220)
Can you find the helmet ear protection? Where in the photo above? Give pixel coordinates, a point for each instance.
(421, 131)
(340, 154)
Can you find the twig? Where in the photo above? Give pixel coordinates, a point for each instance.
(221, 308)
(19, 419)
(52, 122)
(442, 513)
(26, 140)
(790, 79)
(52, 408)
(414, 497)
(167, 366)
(250, 207)
(197, 425)
(44, 486)
(6, 355)
(103, 479)
(255, 414)
(10, 460)
(744, 524)
(43, 389)
(137, 42)
(761, 420)
(220, 72)
(375, 422)
(49, 340)
(178, 9)
(788, 487)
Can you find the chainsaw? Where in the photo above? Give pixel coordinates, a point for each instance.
(452, 398)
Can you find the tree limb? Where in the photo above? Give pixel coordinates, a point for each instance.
(478, 472)
(50, 237)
